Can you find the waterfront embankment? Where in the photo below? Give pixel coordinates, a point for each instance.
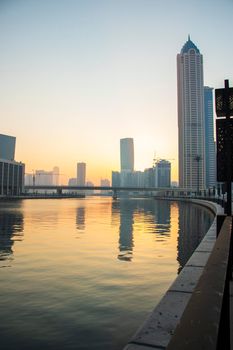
(158, 329)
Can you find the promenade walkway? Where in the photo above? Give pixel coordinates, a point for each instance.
(231, 313)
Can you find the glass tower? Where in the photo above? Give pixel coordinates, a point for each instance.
(81, 174)
(190, 92)
(127, 154)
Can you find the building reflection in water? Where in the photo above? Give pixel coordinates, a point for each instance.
(162, 219)
(194, 222)
(127, 209)
(11, 228)
(156, 215)
(80, 218)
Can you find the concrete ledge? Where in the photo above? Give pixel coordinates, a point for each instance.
(157, 330)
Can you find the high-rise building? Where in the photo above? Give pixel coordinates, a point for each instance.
(149, 177)
(190, 91)
(81, 174)
(56, 175)
(7, 147)
(163, 173)
(127, 154)
(116, 179)
(210, 153)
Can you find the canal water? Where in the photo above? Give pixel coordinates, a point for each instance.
(84, 273)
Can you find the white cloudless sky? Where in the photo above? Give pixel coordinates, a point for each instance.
(78, 75)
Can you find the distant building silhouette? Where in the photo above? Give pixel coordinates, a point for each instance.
(72, 181)
(116, 179)
(127, 161)
(163, 173)
(43, 177)
(191, 117)
(11, 172)
(138, 179)
(81, 174)
(149, 177)
(157, 176)
(56, 175)
(127, 154)
(210, 152)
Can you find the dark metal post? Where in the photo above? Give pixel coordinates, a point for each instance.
(224, 127)
(228, 148)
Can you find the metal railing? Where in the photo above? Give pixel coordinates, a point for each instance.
(205, 323)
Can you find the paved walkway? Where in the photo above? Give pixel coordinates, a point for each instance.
(231, 314)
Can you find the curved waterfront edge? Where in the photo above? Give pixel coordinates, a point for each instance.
(158, 329)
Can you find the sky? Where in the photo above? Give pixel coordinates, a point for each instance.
(76, 76)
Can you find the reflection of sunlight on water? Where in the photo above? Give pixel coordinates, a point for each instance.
(88, 266)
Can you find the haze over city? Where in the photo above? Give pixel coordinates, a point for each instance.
(76, 76)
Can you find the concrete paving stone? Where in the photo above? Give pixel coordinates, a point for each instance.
(206, 246)
(187, 279)
(212, 230)
(140, 347)
(160, 325)
(207, 240)
(231, 314)
(198, 259)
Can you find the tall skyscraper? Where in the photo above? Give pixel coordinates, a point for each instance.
(190, 91)
(209, 138)
(81, 174)
(127, 154)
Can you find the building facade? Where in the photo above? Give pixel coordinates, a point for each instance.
(81, 174)
(11, 172)
(56, 175)
(116, 179)
(190, 91)
(210, 151)
(127, 154)
(163, 173)
(43, 178)
(7, 147)
(11, 178)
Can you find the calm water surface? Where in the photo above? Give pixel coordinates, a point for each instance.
(84, 273)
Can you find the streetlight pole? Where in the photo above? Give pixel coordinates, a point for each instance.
(229, 150)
